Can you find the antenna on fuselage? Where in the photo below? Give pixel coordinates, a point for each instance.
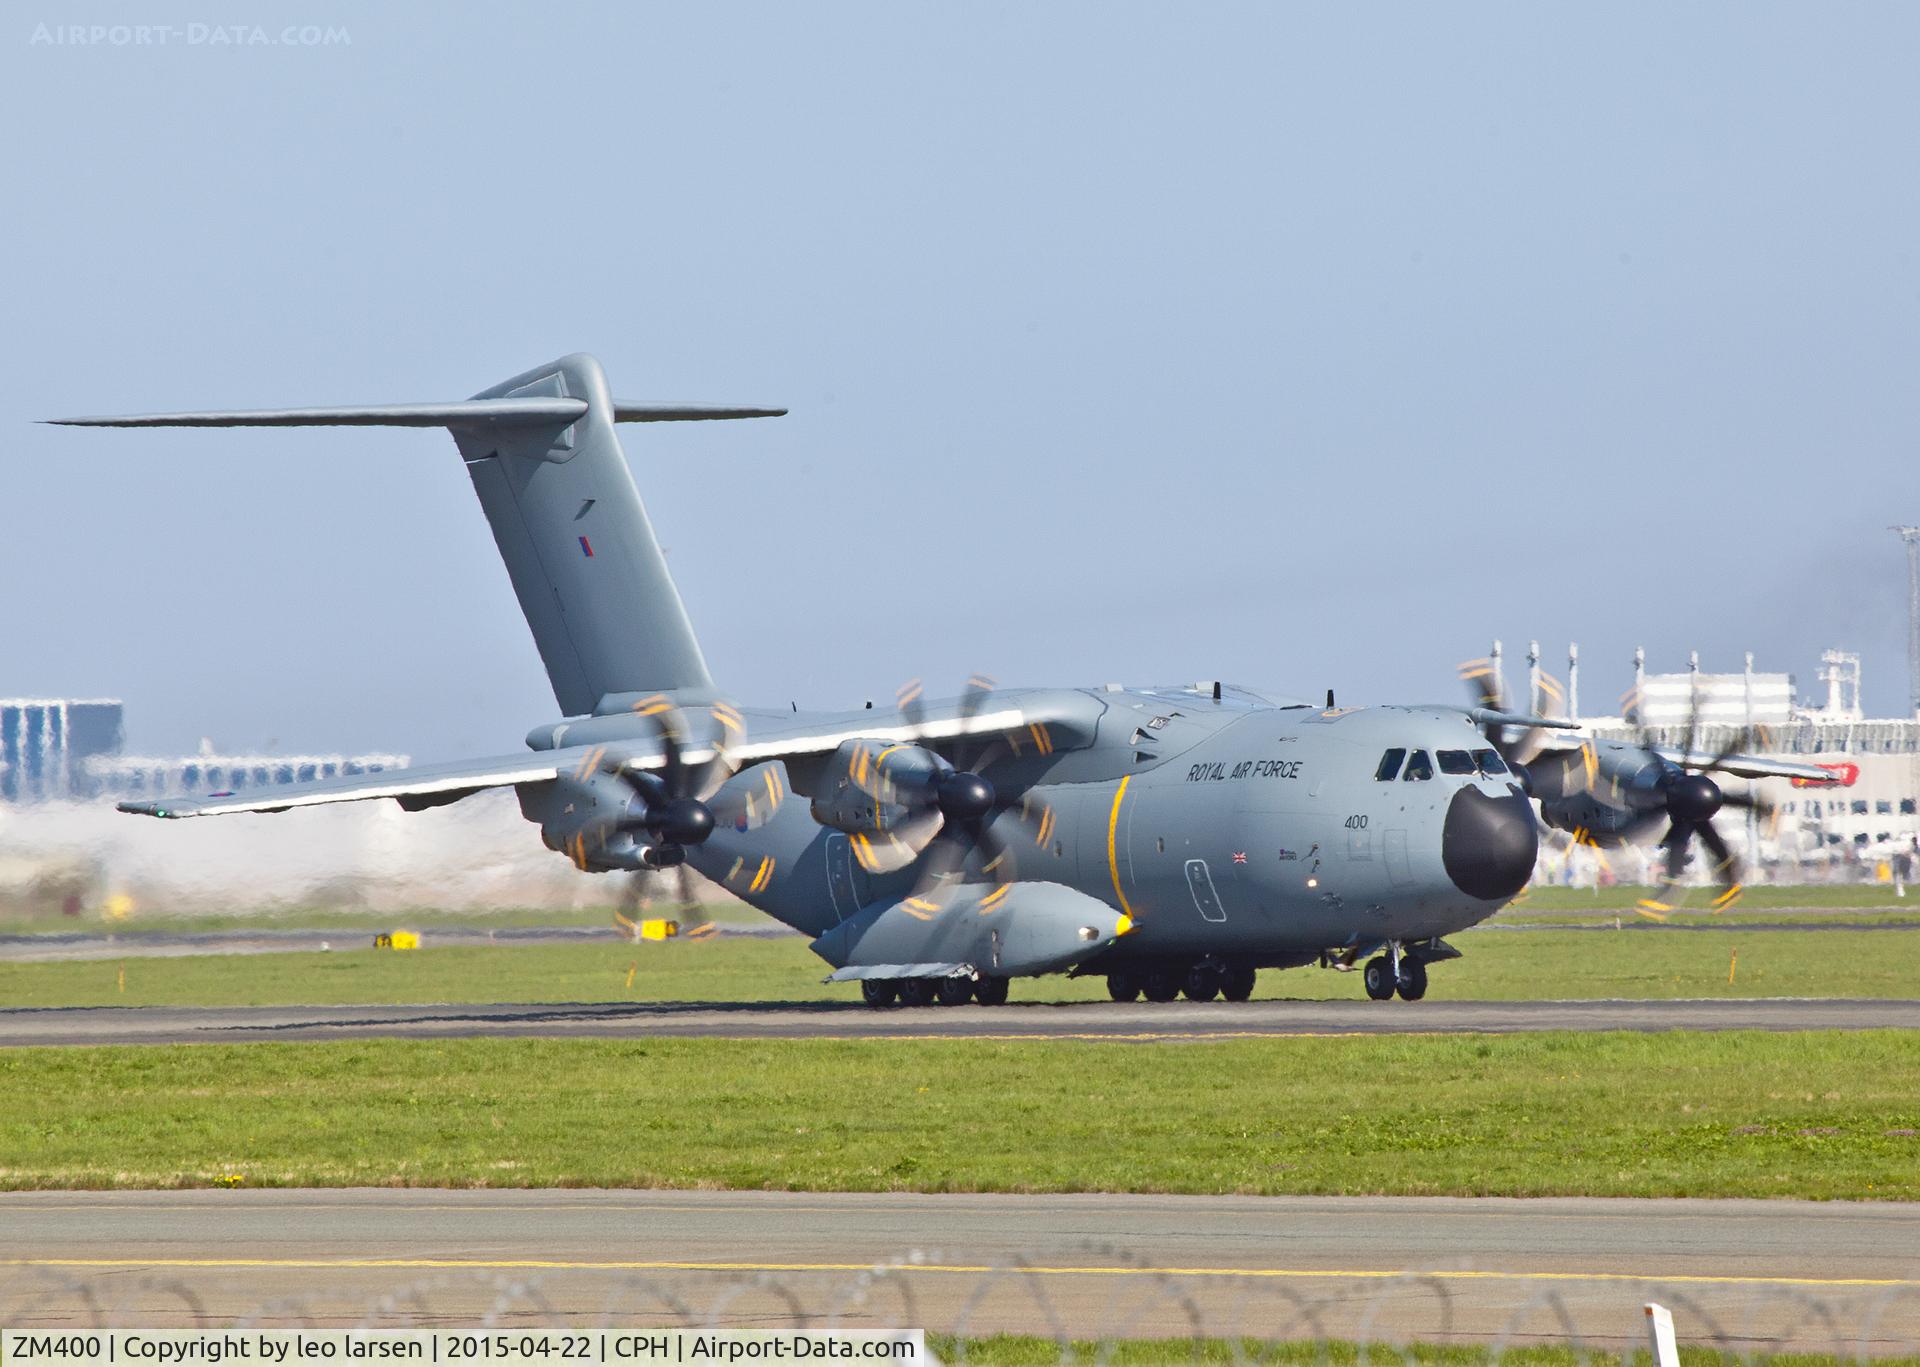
(1329, 700)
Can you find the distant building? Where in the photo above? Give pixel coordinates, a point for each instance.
(1851, 828)
(45, 744)
(130, 776)
(67, 749)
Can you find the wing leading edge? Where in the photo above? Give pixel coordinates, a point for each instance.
(422, 786)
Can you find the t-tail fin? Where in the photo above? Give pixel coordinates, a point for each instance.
(555, 487)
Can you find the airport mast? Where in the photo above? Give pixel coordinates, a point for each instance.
(1911, 535)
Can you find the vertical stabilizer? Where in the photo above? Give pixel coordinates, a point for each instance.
(591, 580)
(557, 492)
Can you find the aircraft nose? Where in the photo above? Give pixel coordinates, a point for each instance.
(1489, 843)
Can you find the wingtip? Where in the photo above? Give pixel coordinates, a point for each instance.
(145, 809)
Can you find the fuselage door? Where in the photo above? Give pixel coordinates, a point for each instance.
(1393, 845)
(1204, 897)
(840, 876)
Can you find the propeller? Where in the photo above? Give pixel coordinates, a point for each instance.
(920, 803)
(1687, 798)
(681, 803)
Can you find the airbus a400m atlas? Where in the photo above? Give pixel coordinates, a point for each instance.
(1171, 839)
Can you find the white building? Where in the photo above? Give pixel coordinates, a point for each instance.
(1845, 831)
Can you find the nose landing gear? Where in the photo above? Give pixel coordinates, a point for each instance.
(1396, 971)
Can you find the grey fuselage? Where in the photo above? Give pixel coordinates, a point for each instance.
(1243, 827)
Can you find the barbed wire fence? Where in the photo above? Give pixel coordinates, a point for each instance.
(1081, 1294)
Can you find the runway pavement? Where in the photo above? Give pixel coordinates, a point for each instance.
(1092, 1265)
(1136, 1022)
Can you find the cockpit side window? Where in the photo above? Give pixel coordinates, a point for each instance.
(1456, 762)
(1490, 762)
(1389, 766)
(1419, 767)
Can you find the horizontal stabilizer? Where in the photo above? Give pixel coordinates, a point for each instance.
(465, 413)
(625, 410)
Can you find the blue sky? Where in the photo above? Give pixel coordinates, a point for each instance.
(1301, 345)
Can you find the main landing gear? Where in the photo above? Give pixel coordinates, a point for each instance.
(883, 992)
(1201, 982)
(1384, 976)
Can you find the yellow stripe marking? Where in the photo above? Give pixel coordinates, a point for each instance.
(761, 878)
(966, 1269)
(1113, 857)
(995, 898)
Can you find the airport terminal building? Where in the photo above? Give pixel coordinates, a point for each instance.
(69, 750)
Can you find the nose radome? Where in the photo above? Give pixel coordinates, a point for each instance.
(1489, 843)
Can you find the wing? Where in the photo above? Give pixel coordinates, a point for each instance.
(1742, 766)
(1748, 766)
(1044, 721)
(426, 785)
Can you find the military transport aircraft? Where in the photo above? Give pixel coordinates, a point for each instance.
(1171, 839)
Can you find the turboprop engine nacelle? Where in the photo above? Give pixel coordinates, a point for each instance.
(608, 820)
(1602, 790)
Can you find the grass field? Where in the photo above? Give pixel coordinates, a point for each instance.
(355, 920)
(1541, 903)
(1819, 1114)
(1754, 897)
(1550, 905)
(1502, 965)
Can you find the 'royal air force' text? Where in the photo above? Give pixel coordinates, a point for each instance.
(1246, 768)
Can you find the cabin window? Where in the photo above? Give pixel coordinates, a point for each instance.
(1389, 766)
(1456, 762)
(1490, 762)
(1419, 768)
